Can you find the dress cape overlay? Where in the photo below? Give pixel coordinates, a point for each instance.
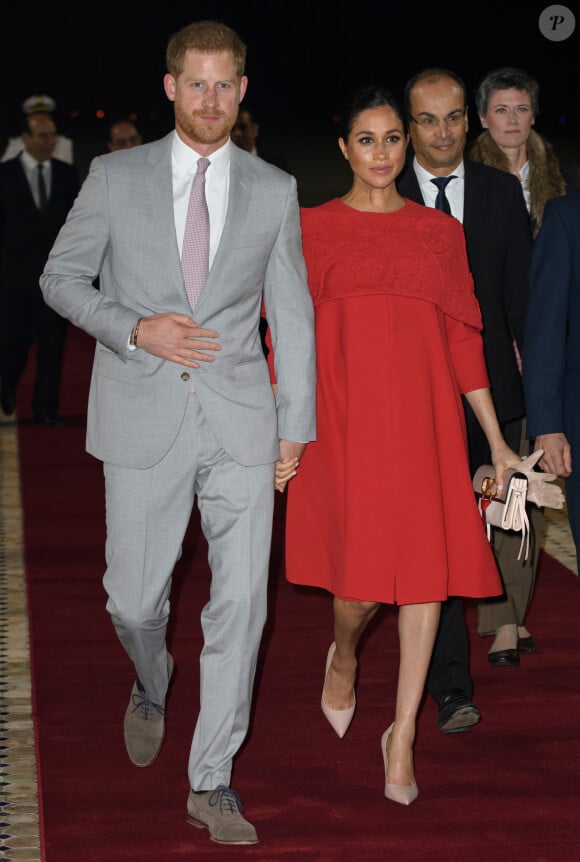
(382, 508)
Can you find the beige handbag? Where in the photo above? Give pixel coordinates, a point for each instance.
(505, 508)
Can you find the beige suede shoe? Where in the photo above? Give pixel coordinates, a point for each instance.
(144, 725)
(219, 811)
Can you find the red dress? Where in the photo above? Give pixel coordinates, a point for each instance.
(382, 508)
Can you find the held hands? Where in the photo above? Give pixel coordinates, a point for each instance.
(177, 338)
(285, 470)
(287, 465)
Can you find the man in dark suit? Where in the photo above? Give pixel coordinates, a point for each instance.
(551, 360)
(491, 206)
(36, 194)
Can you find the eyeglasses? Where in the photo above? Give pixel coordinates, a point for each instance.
(429, 121)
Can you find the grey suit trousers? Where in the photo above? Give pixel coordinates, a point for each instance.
(148, 512)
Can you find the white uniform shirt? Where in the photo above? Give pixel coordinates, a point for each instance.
(63, 149)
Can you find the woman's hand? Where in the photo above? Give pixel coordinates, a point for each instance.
(285, 470)
(504, 458)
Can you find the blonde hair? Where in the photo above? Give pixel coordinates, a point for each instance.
(207, 37)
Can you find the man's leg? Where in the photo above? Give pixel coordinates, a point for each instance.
(236, 505)
(16, 333)
(448, 680)
(50, 335)
(147, 514)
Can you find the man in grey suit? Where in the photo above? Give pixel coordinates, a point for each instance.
(181, 405)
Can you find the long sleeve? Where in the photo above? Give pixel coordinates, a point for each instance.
(545, 345)
(466, 347)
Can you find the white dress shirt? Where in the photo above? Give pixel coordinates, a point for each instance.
(524, 175)
(217, 185)
(30, 166)
(454, 190)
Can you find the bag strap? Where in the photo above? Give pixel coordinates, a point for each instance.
(507, 513)
(515, 515)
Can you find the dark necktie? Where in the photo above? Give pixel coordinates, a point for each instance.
(195, 250)
(441, 202)
(41, 189)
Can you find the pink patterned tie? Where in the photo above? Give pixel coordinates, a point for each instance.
(195, 251)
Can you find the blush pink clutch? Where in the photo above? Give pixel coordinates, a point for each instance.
(505, 507)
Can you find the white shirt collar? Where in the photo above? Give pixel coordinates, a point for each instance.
(185, 158)
(454, 191)
(423, 176)
(31, 162)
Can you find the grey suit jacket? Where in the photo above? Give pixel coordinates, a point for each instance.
(122, 229)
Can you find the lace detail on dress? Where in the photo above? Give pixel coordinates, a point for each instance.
(348, 261)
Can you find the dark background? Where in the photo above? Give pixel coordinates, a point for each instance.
(302, 58)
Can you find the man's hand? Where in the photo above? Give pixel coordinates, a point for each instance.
(177, 338)
(557, 457)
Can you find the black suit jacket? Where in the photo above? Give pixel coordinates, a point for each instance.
(499, 246)
(26, 235)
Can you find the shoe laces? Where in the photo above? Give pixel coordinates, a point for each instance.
(227, 799)
(147, 709)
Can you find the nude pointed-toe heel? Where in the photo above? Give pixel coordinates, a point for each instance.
(403, 794)
(339, 719)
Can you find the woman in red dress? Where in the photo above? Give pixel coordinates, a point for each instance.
(384, 510)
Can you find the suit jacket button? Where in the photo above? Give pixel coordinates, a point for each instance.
(185, 376)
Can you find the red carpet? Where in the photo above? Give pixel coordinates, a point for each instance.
(509, 789)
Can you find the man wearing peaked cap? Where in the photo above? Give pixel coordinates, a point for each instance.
(39, 104)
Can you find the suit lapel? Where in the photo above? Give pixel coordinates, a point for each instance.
(22, 186)
(240, 193)
(158, 187)
(241, 184)
(474, 200)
